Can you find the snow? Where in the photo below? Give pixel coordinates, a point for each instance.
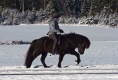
(99, 62)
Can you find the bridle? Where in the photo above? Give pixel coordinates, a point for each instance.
(73, 43)
(69, 40)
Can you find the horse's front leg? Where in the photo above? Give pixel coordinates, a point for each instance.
(77, 55)
(44, 54)
(60, 60)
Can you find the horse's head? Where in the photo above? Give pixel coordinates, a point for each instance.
(81, 42)
(82, 47)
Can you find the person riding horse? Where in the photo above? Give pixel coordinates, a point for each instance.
(54, 29)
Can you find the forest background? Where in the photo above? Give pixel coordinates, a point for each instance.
(15, 12)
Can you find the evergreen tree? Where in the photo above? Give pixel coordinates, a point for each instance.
(67, 6)
(55, 6)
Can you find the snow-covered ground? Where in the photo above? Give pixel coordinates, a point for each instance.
(99, 62)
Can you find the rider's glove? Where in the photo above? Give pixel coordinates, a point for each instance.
(61, 31)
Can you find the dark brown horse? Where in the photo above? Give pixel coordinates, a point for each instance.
(67, 46)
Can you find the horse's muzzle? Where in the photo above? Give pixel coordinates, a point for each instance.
(81, 51)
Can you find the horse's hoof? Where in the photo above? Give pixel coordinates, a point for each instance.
(46, 66)
(59, 67)
(28, 66)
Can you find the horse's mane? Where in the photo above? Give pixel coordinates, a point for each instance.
(72, 34)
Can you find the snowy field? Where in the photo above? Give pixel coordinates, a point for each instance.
(99, 62)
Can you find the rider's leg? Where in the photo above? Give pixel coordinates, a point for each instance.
(53, 36)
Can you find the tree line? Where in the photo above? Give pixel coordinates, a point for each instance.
(83, 7)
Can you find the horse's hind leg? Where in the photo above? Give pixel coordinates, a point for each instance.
(44, 54)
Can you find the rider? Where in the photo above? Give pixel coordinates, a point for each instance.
(54, 29)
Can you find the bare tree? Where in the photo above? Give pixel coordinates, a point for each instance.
(44, 3)
(22, 6)
(4, 3)
(116, 6)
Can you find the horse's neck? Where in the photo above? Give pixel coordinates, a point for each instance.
(71, 39)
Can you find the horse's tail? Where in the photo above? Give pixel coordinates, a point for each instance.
(28, 59)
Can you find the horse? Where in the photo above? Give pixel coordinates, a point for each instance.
(68, 43)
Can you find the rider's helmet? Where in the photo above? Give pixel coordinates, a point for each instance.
(57, 15)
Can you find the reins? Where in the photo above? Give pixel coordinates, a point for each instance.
(69, 39)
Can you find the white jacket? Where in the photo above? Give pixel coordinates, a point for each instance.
(53, 27)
